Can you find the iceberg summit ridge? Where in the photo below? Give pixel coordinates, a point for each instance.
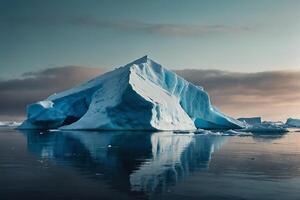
(141, 95)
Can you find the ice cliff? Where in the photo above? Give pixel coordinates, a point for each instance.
(290, 122)
(140, 95)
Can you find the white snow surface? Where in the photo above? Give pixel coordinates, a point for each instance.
(290, 122)
(141, 95)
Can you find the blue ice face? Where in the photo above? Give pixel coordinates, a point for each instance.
(141, 95)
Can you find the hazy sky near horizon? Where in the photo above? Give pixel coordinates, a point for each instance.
(244, 52)
(231, 35)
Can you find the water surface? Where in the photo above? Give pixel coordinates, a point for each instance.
(146, 165)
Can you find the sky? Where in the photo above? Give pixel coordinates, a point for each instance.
(235, 35)
(242, 38)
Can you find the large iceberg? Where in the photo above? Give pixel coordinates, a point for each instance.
(140, 95)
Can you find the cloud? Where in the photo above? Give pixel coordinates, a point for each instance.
(274, 95)
(165, 29)
(183, 30)
(34, 86)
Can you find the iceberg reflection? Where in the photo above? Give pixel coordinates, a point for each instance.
(173, 157)
(128, 161)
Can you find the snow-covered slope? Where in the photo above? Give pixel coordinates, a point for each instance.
(139, 95)
(290, 122)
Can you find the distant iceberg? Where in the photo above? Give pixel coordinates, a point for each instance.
(250, 120)
(266, 128)
(140, 95)
(256, 125)
(290, 122)
(9, 124)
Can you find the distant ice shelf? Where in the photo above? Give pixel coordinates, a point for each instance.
(290, 122)
(265, 127)
(141, 95)
(250, 120)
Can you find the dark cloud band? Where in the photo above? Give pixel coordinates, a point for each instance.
(34, 86)
(272, 95)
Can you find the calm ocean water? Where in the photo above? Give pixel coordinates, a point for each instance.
(145, 165)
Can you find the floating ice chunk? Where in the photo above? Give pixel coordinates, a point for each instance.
(238, 133)
(250, 120)
(290, 122)
(265, 127)
(9, 124)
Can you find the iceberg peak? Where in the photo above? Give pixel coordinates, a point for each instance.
(141, 95)
(144, 59)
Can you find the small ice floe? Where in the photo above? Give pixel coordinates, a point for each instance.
(293, 123)
(53, 130)
(9, 124)
(250, 120)
(212, 132)
(238, 133)
(266, 128)
(229, 132)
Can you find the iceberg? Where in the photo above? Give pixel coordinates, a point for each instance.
(255, 125)
(290, 122)
(251, 120)
(141, 95)
(9, 124)
(266, 128)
